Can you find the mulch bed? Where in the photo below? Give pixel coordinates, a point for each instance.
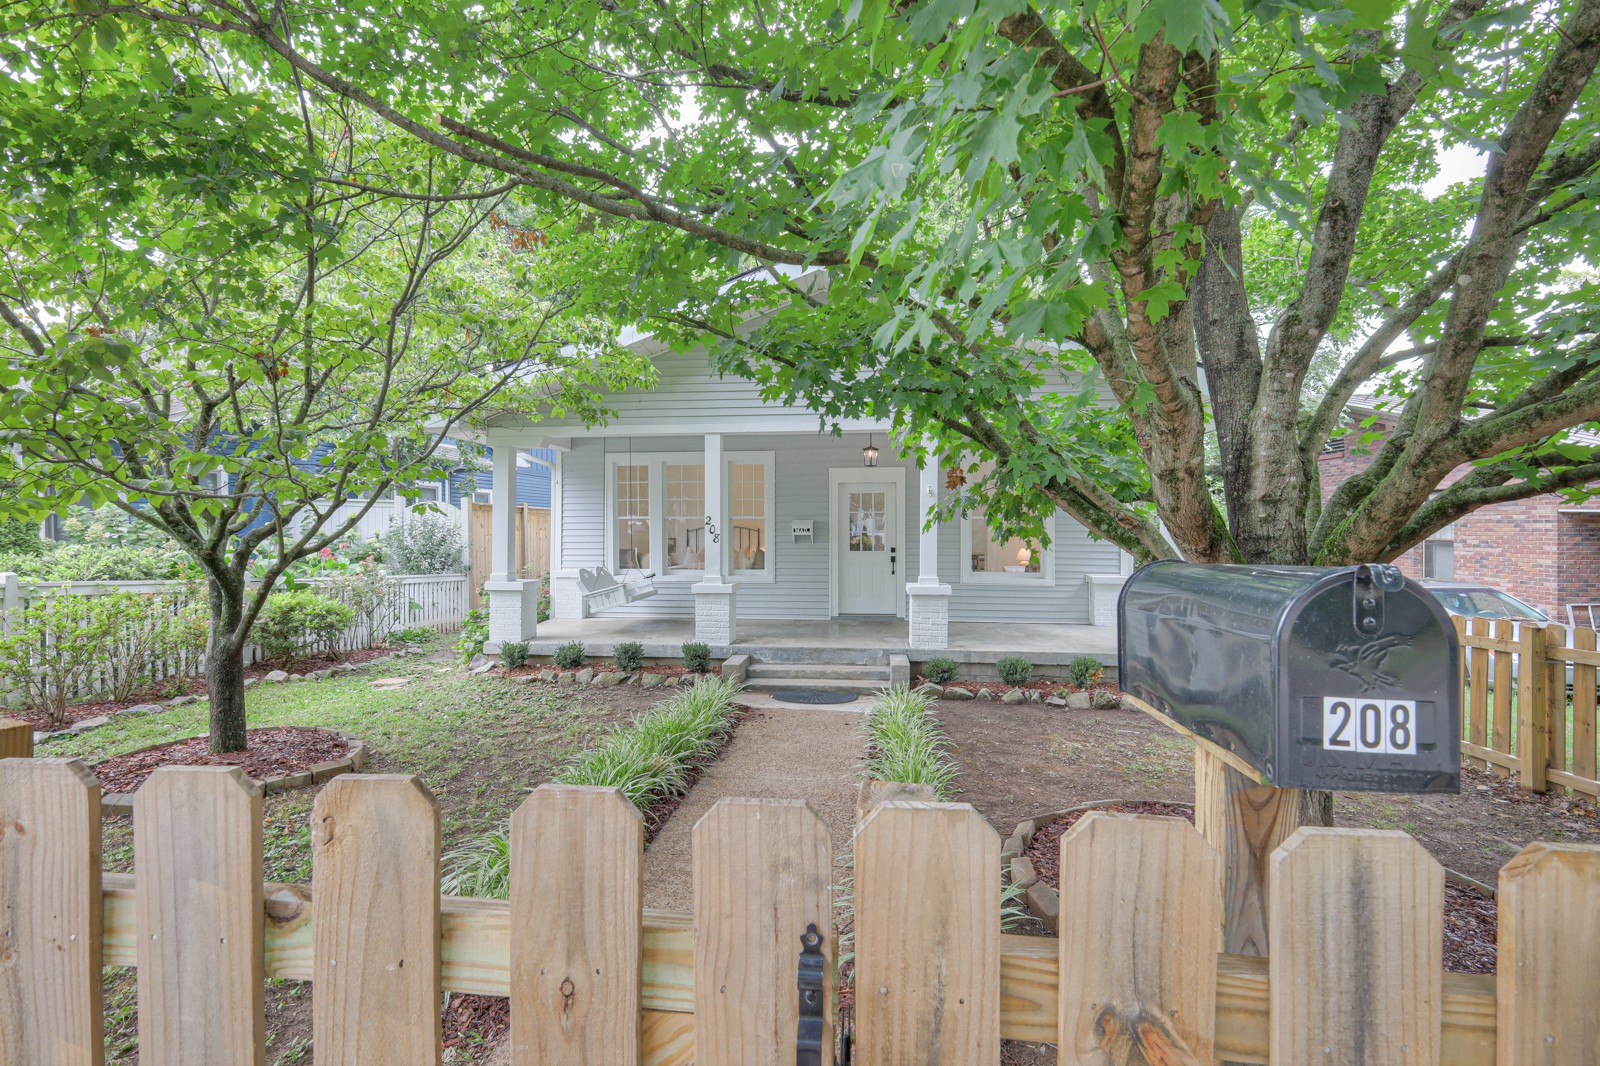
(305, 666)
(472, 1020)
(601, 667)
(1470, 918)
(272, 753)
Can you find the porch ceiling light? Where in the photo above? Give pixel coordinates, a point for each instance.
(869, 454)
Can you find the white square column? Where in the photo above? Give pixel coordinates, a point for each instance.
(513, 602)
(928, 599)
(715, 597)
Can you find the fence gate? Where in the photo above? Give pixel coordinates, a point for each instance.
(1355, 974)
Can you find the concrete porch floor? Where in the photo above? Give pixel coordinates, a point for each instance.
(837, 641)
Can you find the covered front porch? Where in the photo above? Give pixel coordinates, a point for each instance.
(865, 641)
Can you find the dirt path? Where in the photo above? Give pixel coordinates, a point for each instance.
(777, 754)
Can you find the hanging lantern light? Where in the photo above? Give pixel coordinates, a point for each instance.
(869, 454)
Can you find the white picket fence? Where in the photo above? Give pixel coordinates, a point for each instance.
(437, 602)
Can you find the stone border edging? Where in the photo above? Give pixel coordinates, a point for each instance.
(1044, 902)
(607, 678)
(316, 774)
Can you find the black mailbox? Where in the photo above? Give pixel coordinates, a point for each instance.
(1334, 678)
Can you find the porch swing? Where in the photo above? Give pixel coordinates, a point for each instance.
(603, 590)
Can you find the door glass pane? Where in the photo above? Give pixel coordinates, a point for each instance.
(686, 516)
(866, 512)
(633, 518)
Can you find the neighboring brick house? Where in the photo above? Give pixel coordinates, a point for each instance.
(1544, 550)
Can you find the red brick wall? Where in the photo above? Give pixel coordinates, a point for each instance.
(1526, 547)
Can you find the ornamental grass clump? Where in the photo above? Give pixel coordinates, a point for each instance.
(648, 760)
(905, 743)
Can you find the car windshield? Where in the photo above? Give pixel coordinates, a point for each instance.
(1487, 603)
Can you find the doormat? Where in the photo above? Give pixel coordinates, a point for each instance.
(811, 696)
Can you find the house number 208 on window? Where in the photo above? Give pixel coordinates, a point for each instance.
(1369, 726)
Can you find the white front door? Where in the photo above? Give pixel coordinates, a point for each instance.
(869, 548)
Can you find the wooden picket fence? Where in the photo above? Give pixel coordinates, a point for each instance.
(1517, 713)
(1354, 974)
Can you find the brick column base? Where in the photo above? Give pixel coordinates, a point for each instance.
(716, 613)
(513, 612)
(929, 609)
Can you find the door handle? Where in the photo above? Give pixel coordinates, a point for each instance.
(891, 561)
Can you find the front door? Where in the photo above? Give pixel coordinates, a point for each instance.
(869, 548)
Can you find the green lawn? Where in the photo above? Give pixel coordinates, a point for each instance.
(480, 743)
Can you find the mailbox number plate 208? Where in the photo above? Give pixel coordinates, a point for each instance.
(1369, 726)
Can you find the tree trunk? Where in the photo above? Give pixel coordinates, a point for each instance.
(225, 669)
(1316, 807)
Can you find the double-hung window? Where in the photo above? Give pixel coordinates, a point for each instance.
(658, 518)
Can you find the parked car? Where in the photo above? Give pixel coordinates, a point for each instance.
(1470, 600)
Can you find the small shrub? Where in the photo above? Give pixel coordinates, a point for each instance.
(1085, 671)
(629, 656)
(543, 608)
(409, 635)
(292, 625)
(569, 656)
(1014, 670)
(513, 654)
(939, 670)
(696, 657)
(424, 542)
(905, 743)
(54, 649)
(20, 538)
(474, 634)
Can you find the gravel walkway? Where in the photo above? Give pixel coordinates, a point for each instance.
(778, 753)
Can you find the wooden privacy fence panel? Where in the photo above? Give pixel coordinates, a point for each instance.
(1136, 977)
(533, 543)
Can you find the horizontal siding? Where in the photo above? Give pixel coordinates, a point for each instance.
(801, 493)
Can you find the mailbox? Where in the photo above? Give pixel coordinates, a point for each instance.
(1333, 678)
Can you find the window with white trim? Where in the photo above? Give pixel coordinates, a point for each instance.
(987, 559)
(686, 517)
(749, 518)
(632, 528)
(656, 510)
(1439, 554)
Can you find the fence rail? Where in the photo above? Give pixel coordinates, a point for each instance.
(1355, 972)
(436, 602)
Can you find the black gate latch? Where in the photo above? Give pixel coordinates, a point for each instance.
(808, 1045)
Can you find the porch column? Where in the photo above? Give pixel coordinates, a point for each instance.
(927, 599)
(513, 603)
(715, 598)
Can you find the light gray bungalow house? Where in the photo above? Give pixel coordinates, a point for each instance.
(703, 512)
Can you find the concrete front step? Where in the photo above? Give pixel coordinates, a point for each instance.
(821, 671)
(816, 684)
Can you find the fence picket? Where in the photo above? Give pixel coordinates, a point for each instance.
(927, 900)
(1549, 955)
(1534, 693)
(50, 914)
(1556, 643)
(1141, 919)
(1504, 687)
(762, 870)
(16, 739)
(1583, 707)
(375, 941)
(577, 858)
(1478, 701)
(1356, 970)
(197, 845)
